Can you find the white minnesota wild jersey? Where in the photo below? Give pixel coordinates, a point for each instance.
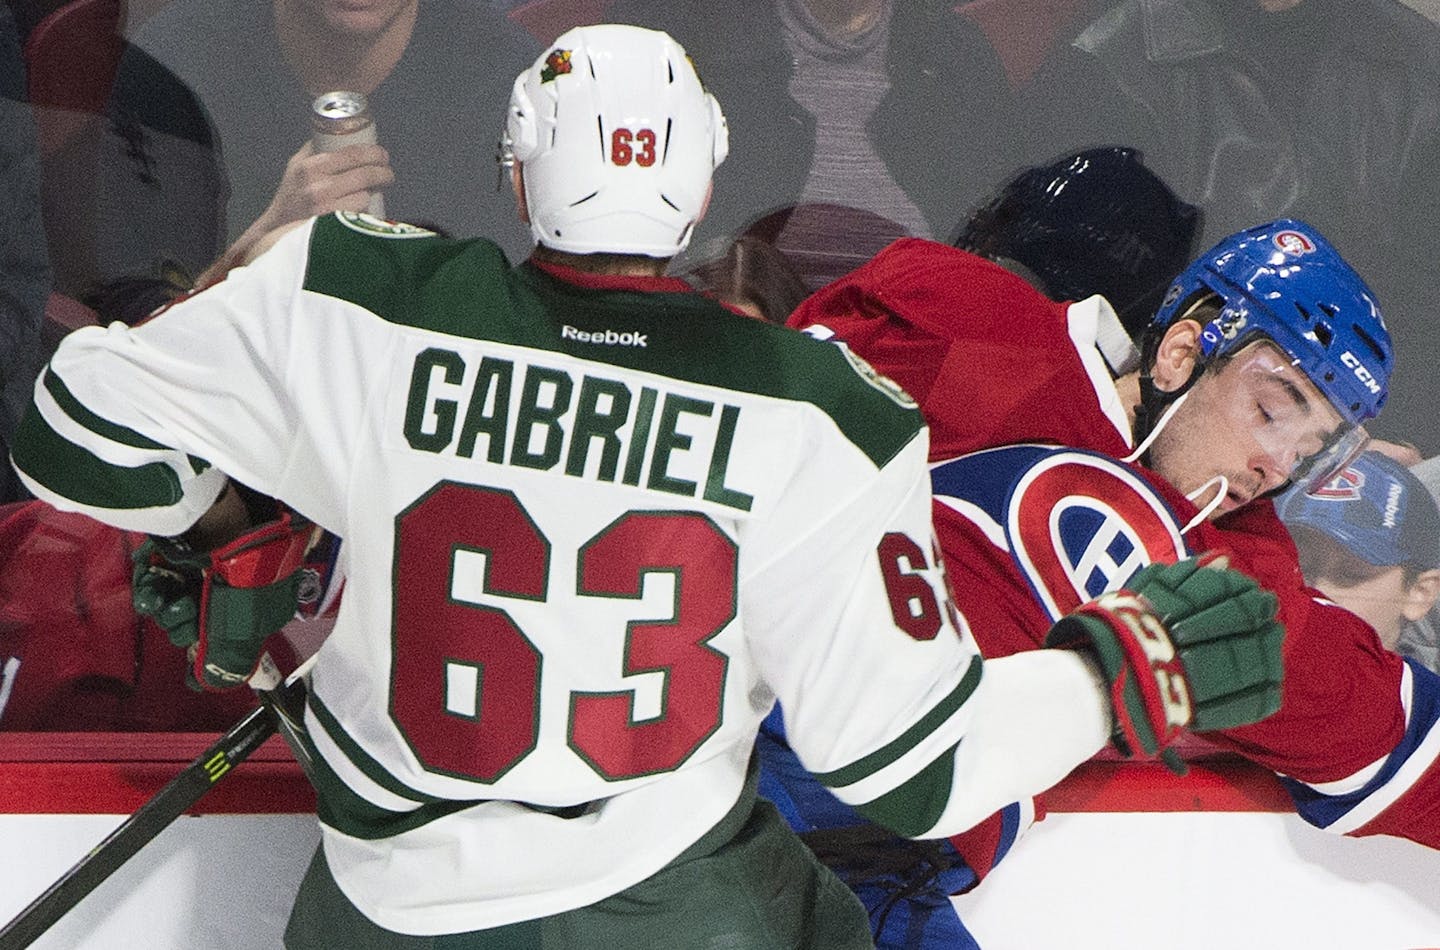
(589, 536)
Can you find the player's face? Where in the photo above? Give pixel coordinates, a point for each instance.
(1254, 420)
(357, 18)
(1378, 595)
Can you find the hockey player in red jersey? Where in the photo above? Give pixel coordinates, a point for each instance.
(1055, 476)
(74, 654)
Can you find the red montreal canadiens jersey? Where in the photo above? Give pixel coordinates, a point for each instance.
(74, 655)
(1029, 530)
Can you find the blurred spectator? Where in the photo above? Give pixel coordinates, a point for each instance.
(1094, 222)
(1024, 32)
(897, 109)
(74, 655)
(22, 15)
(211, 122)
(824, 242)
(24, 263)
(1370, 541)
(132, 299)
(752, 277)
(547, 19)
(1422, 639)
(1403, 452)
(1324, 110)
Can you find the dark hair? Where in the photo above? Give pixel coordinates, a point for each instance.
(823, 242)
(132, 298)
(601, 262)
(1201, 308)
(1322, 556)
(754, 272)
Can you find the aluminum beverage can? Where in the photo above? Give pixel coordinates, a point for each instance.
(343, 118)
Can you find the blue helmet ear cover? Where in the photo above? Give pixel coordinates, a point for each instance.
(1284, 282)
(1093, 222)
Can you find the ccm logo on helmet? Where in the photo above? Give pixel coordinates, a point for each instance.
(603, 337)
(1361, 373)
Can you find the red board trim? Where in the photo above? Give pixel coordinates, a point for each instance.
(115, 773)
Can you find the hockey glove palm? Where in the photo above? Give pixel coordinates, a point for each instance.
(223, 604)
(1189, 646)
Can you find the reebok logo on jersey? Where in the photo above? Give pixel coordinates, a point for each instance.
(603, 337)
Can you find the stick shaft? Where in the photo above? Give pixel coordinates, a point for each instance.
(179, 794)
(285, 699)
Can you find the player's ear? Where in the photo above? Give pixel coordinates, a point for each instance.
(1176, 355)
(1420, 596)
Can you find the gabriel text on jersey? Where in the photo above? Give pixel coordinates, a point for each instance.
(551, 425)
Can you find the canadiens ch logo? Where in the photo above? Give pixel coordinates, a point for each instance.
(1080, 525)
(1293, 243)
(1343, 487)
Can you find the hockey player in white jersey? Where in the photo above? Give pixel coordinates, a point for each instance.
(594, 525)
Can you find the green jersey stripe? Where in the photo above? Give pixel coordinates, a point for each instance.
(892, 751)
(432, 284)
(104, 428)
(914, 807)
(340, 808)
(73, 472)
(361, 759)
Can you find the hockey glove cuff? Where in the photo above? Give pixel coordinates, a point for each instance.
(1190, 646)
(223, 604)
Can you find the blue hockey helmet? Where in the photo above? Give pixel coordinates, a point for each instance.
(1285, 283)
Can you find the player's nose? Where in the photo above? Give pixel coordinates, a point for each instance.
(1271, 472)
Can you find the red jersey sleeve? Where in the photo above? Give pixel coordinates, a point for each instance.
(988, 358)
(74, 655)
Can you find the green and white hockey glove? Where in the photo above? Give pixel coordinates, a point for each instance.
(1191, 646)
(223, 604)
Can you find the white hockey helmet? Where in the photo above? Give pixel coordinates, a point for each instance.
(618, 139)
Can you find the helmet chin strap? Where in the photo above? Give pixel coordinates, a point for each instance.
(1157, 405)
(1154, 431)
(1210, 505)
(1153, 434)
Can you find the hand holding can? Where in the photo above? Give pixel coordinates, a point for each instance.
(343, 118)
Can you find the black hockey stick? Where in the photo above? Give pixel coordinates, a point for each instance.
(279, 709)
